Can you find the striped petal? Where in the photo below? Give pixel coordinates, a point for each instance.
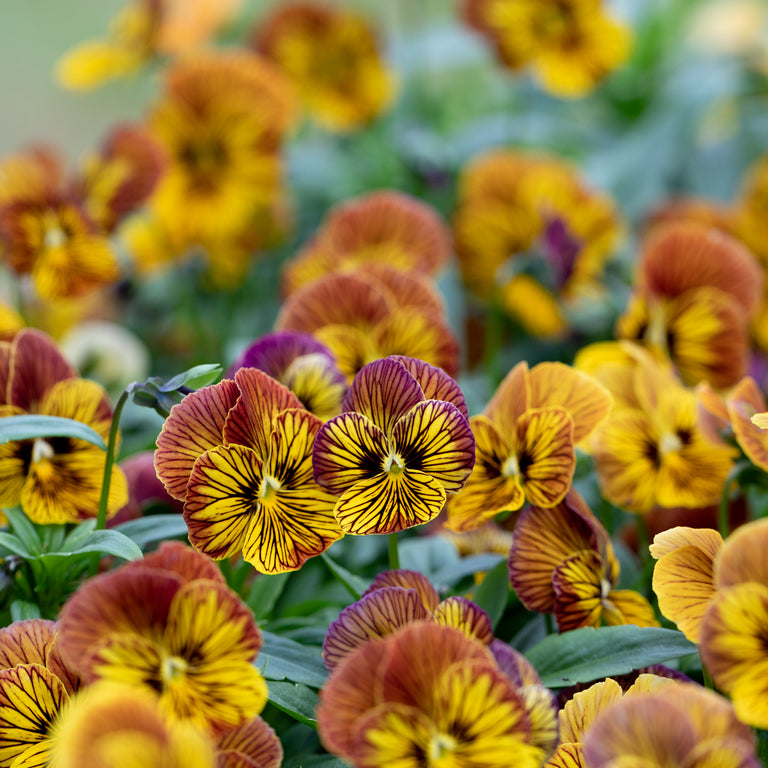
(194, 426)
(489, 490)
(708, 541)
(408, 580)
(389, 503)
(434, 438)
(223, 496)
(348, 449)
(463, 614)
(435, 383)
(625, 606)
(374, 616)
(256, 741)
(384, 392)
(26, 642)
(510, 400)
(180, 559)
(318, 383)
(582, 709)
(261, 398)
(577, 582)
(743, 402)
(567, 756)
(81, 400)
(556, 384)
(545, 454)
(31, 697)
(744, 556)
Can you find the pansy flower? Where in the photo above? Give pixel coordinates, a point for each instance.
(562, 562)
(400, 446)
(426, 694)
(394, 599)
(696, 289)
(569, 45)
(526, 439)
(239, 455)
(374, 312)
(332, 58)
(304, 365)
(55, 479)
(168, 625)
(382, 227)
(36, 685)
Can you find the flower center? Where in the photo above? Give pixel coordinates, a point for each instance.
(441, 749)
(669, 442)
(394, 464)
(173, 668)
(54, 235)
(42, 450)
(511, 466)
(269, 488)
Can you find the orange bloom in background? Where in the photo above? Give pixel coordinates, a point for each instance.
(36, 686)
(56, 229)
(221, 120)
(375, 312)
(679, 724)
(652, 451)
(169, 626)
(141, 31)
(55, 479)
(395, 599)
(696, 289)
(333, 59)
(569, 45)
(239, 455)
(562, 562)
(427, 692)
(383, 227)
(525, 442)
(529, 231)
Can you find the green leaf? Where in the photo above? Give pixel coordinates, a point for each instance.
(109, 542)
(493, 592)
(23, 609)
(587, 654)
(352, 583)
(467, 566)
(14, 544)
(79, 535)
(145, 530)
(28, 427)
(284, 659)
(298, 701)
(264, 592)
(193, 378)
(428, 554)
(23, 527)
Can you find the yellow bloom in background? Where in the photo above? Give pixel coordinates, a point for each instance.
(11, 322)
(333, 59)
(655, 452)
(56, 480)
(525, 442)
(142, 30)
(528, 230)
(113, 726)
(570, 46)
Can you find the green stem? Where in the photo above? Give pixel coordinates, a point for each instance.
(109, 460)
(643, 551)
(394, 555)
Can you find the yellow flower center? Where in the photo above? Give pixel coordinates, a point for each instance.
(269, 488)
(511, 467)
(394, 464)
(669, 443)
(54, 235)
(441, 750)
(173, 668)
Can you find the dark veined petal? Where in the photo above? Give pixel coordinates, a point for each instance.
(743, 402)
(274, 352)
(625, 606)
(129, 659)
(194, 426)
(434, 438)
(378, 614)
(383, 391)
(31, 697)
(319, 384)
(389, 503)
(545, 454)
(180, 559)
(26, 642)
(463, 614)
(435, 383)
(261, 398)
(583, 707)
(408, 580)
(290, 449)
(567, 755)
(223, 494)
(490, 489)
(256, 741)
(577, 582)
(348, 449)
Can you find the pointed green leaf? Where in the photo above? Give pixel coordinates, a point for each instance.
(284, 659)
(25, 530)
(352, 583)
(264, 592)
(193, 378)
(587, 654)
(79, 535)
(493, 592)
(14, 544)
(145, 530)
(109, 542)
(298, 701)
(30, 426)
(467, 566)
(23, 609)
